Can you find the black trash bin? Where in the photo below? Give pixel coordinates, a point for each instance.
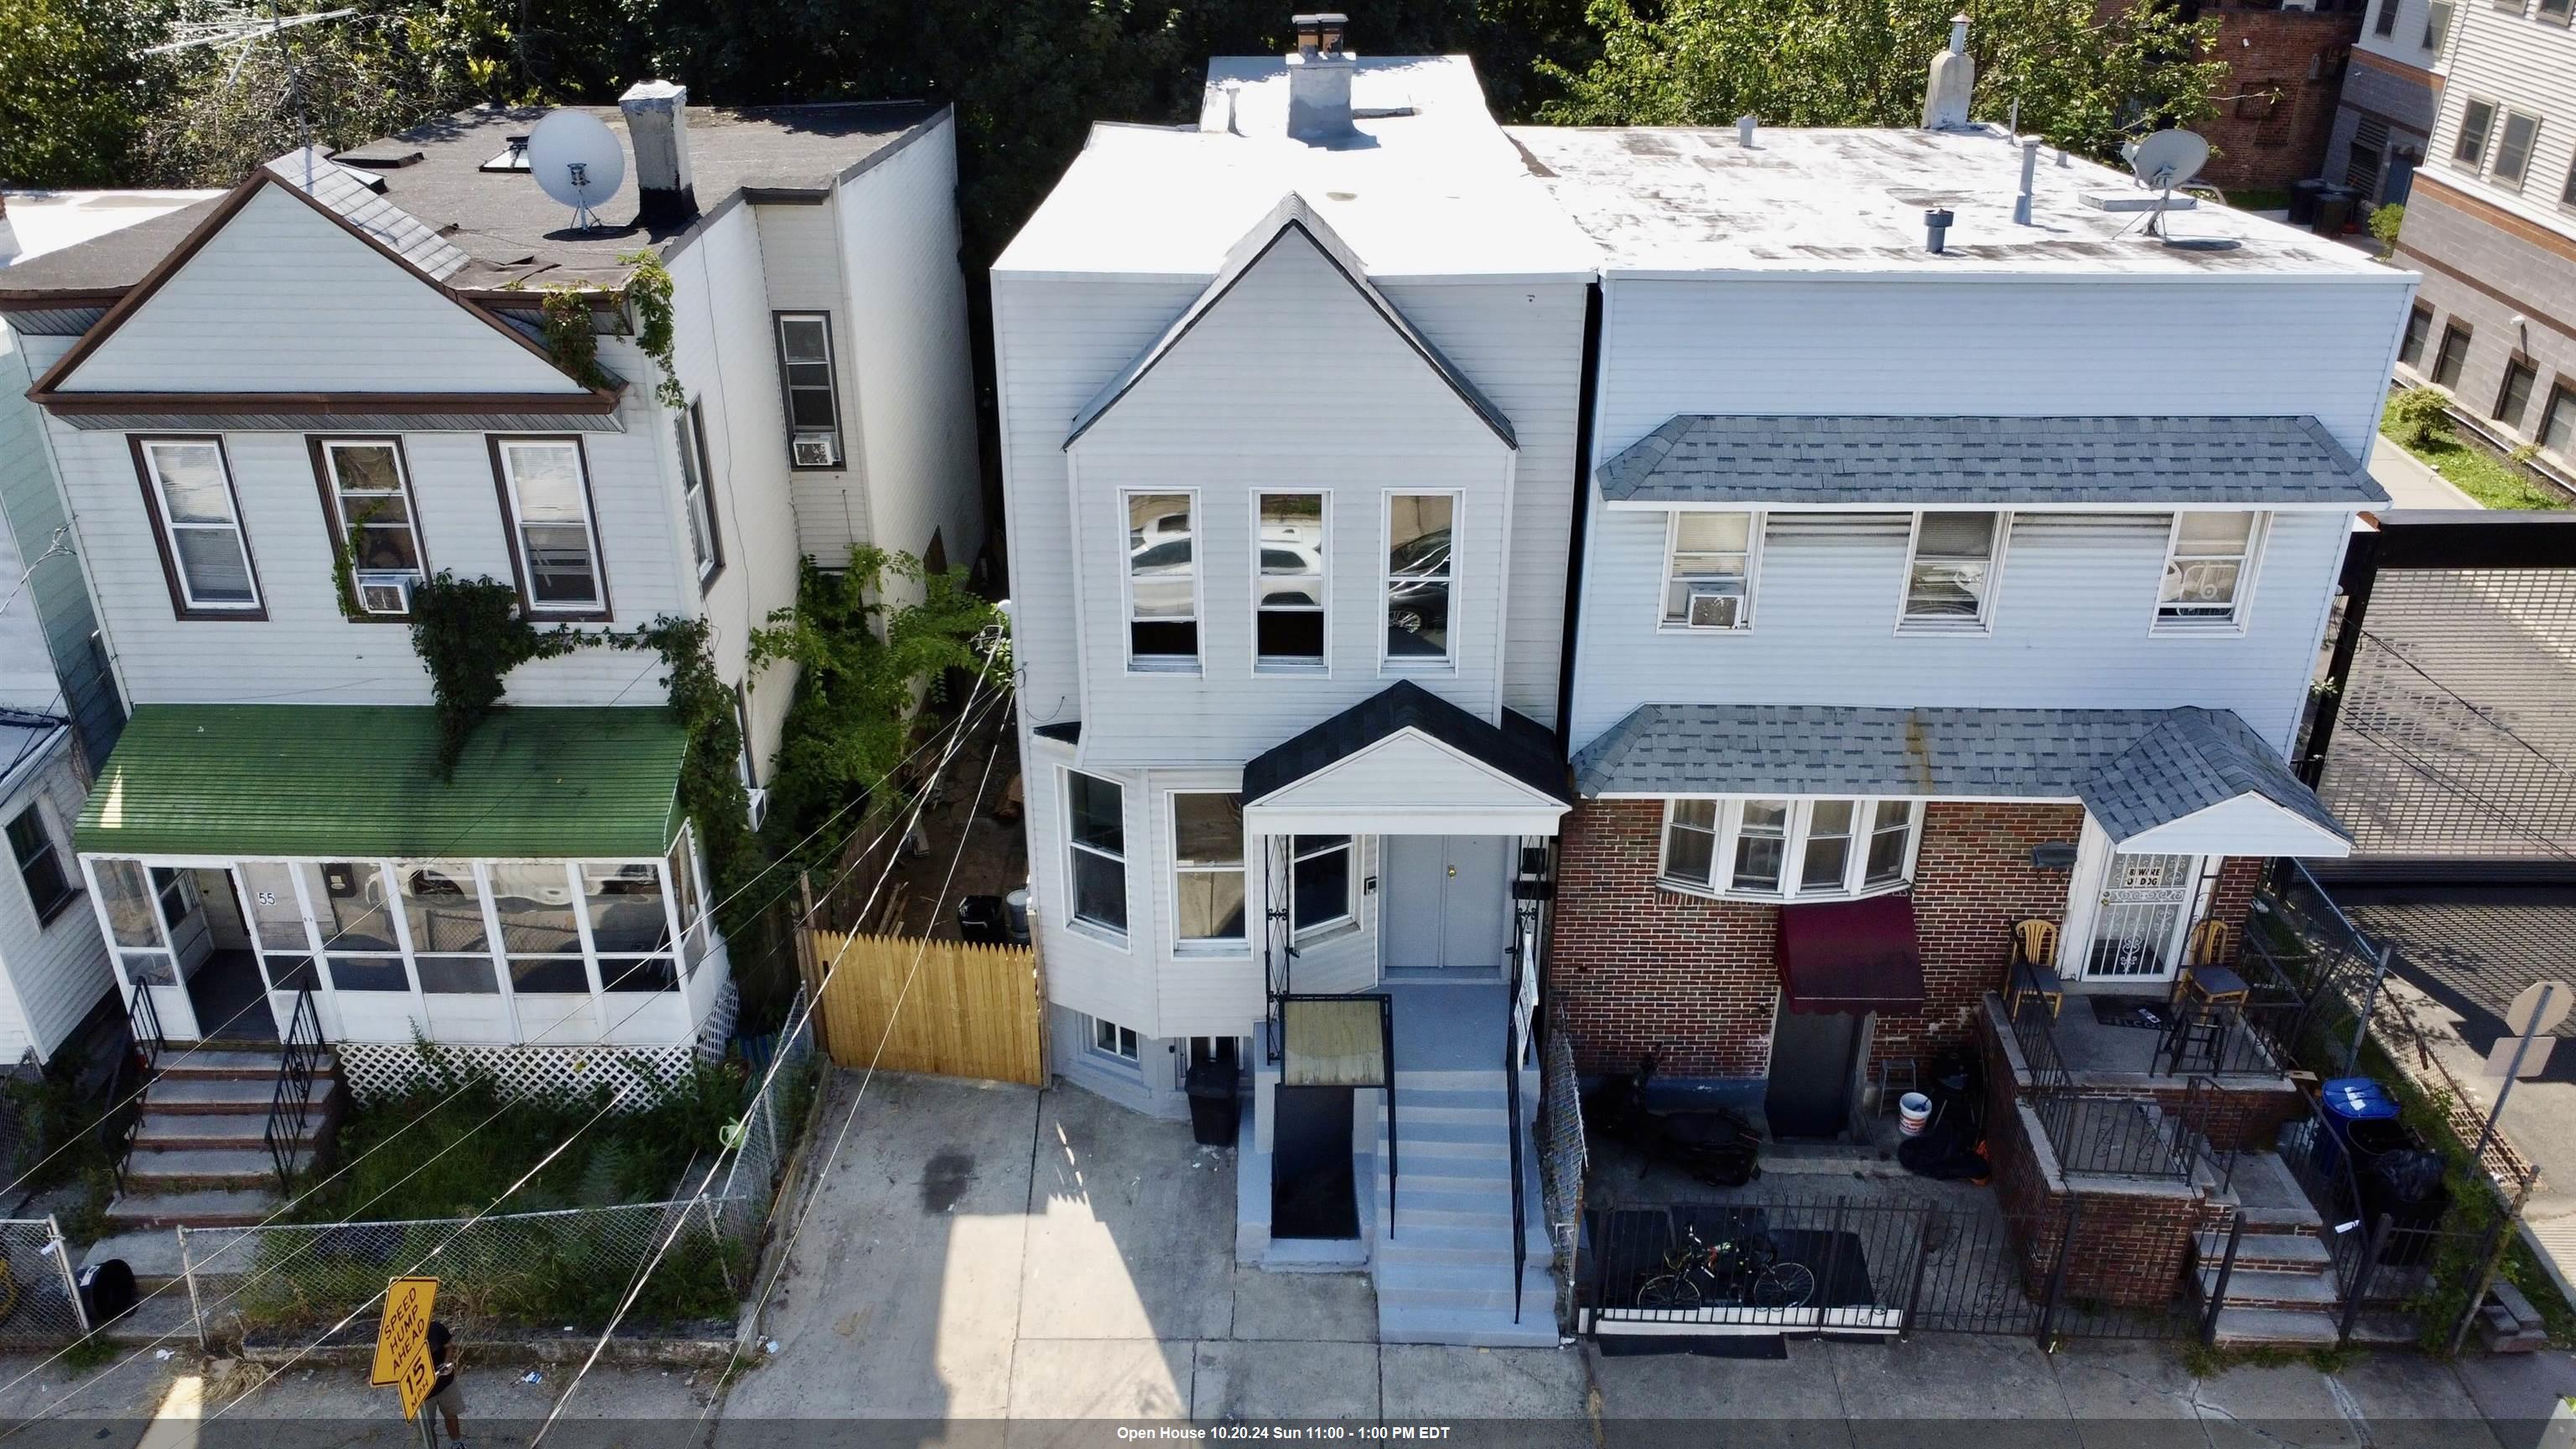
(106, 1291)
(2404, 1185)
(981, 919)
(2334, 209)
(2303, 201)
(1213, 1088)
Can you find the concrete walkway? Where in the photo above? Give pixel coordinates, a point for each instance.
(2410, 482)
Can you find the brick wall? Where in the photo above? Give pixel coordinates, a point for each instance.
(2277, 105)
(1633, 966)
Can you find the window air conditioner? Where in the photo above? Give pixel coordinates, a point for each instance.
(816, 450)
(1710, 609)
(759, 807)
(382, 592)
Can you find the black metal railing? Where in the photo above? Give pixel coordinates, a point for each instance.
(134, 1073)
(2106, 1133)
(2228, 1038)
(143, 1025)
(1515, 1026)
(290, 1106)
(2204, 1119)
(2034, 1030)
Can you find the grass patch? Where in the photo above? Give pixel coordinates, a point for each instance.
(2259, 198)
(2494, 481)
(88, 1352)
(2206, 1361)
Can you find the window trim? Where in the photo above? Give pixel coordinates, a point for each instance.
(326, 481)
(2505, 117)
(181, 605)
(2523, 363)
(1092, 1047)
(1098, 931)
(1350, 916)
(2421, 311)
(2241, 607)
(65, 867)
(2452, 327)
(1757, 524)
(1999, 539)
(1793, 849)
(1205, 945)
(1322, 665)
(778, 321)
(507, 487)
(692, 423)
(1194, 662)
(1389, 662)
(2562, 393)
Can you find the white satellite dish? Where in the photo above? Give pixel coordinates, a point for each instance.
(577, 161)
(2169, 159)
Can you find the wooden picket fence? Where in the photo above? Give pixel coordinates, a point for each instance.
(971, 1011)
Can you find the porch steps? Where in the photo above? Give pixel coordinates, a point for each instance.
(202, 1208)
(200, 1153)
(2261, 1288)
(1445, 1274)
(153, 1254)
(2283, 1288)
(226, 1096)
(2250, 1326)
(2281, 1252)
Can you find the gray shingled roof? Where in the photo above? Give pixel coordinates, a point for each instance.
(1789, 462)
(2134, 769)
(360, 201)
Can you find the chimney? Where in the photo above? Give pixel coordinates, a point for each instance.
(2029, 179)
(657, 124)
(1954, 77)
(1745, 126)
(1319, 80)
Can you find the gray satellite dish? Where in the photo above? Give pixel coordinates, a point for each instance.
(2169, 159)
(577, 161)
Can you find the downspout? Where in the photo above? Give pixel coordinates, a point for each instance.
(2360, 572)
(1587, 401)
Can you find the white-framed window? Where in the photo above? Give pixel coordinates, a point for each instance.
(2437, 24)
(697, 489)
(1951, 568)
(1320, 878)
(1290, 573)
(2209, 571)
(1709, 560)
(1790, 849)
(369, 493)
(813, 398)
(1096, 836)
(1112, 1040)
(2515, 141)
(191, 493)
(1162, 580)
(558, 552)
(1207, 869)
(2477, 124)
(1421, 576)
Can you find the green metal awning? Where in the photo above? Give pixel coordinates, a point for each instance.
(327, 782)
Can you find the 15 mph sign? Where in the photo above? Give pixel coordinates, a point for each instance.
(402, 1342)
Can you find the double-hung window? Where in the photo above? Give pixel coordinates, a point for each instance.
(367, 498)
(190, 493)
(1420, 574)
(548, 493)
(2453, 354)
(1319, 882)
(1788, 849)
(1096, 834)
(2558, 420)
(2554, 11)
(2477, 123)
(2437, 24)
(1162, 582)
(697, 487)
(2386, 21)
(1288, 627)
(1708, 570)
(2514, 145)
(2513, 395)
(1950, 572)
(2419, 327)
(1207, 869)
(813, 399)
(40, 865)
(2209, 569)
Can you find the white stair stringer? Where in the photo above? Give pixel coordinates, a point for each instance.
(1445, 1274)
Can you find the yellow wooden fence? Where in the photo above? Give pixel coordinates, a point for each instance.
(970, 1011)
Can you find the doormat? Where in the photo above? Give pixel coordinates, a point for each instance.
(1768, 1346)
(2143, 1011)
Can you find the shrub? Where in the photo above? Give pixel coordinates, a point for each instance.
(2418, 416)
(2384, 223)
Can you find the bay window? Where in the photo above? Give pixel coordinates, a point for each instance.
(2209, 569)
(1790, 849)
(1708, 570)
(1207, 869)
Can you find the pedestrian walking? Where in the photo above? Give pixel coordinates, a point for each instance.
(444, 1395)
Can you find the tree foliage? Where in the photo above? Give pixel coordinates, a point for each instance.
(2084, 78)
(75, 88)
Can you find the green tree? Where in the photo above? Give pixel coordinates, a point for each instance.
(74, 88)
(2083, 79)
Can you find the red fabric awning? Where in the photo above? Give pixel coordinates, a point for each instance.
(1852, 956)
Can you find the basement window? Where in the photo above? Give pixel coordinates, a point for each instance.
(1112, 1040)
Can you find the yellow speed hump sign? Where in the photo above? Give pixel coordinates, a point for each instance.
(402, 1342)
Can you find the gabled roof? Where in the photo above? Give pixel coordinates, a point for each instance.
(360, 200)
(2136, 770)
(1519, 748)
(57, 390)
(1843, 461)
(1292, 216)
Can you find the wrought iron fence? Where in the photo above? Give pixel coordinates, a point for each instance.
(1563, 1160)
(2110, 1135)
(40, 1305)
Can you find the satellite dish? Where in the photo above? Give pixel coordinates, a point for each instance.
(2169, 159)
(577, 161)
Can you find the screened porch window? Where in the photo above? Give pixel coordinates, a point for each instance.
(125, 897)
(443, 906)
(630, 926)
(540, 935)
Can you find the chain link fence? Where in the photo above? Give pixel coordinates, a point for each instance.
(1563, 1159)
(39, 1305)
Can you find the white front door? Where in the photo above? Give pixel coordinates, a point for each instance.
(1447, 904)
(129, 902)
(2140, 915)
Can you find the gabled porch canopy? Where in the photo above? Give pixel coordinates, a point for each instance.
(1406, 762)
(2181, 781)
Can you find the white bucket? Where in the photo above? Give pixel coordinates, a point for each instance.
(1912, 1111)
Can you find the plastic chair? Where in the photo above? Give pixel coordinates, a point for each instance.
(2033, 967)
(2205, 973)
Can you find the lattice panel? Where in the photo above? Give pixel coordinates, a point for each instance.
(375, 1070)
(717, 1029)
(2455, 737)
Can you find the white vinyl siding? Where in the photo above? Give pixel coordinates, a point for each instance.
(55, 970)
(2514, 65)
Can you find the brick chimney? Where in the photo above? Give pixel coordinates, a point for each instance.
(1319, 80)
(1952, 82)
(657, 125)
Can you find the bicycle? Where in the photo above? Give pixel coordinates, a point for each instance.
(1742, 1268)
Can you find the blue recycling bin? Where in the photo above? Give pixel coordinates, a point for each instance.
(2348, 1101)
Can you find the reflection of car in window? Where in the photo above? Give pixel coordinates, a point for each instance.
(1417, 595)
(1426, 554)
(1163, 556)
(1161, 528)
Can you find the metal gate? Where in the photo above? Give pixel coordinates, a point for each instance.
(2143, 904)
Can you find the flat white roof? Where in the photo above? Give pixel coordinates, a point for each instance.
(48, 221)
(1429, 186)
(1683, 199)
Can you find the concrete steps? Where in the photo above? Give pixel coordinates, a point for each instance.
(200, 1154)
(2313, 1290)
(204, 1208)
(2248, 1326)
(1446, 1274)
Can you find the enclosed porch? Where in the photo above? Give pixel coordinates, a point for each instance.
(545, 892)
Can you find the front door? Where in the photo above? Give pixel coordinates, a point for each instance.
(1814, 1061)
(131, 901)
(1448, 903)
(2138, 923)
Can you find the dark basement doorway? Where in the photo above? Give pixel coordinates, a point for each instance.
(1311, 1183)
